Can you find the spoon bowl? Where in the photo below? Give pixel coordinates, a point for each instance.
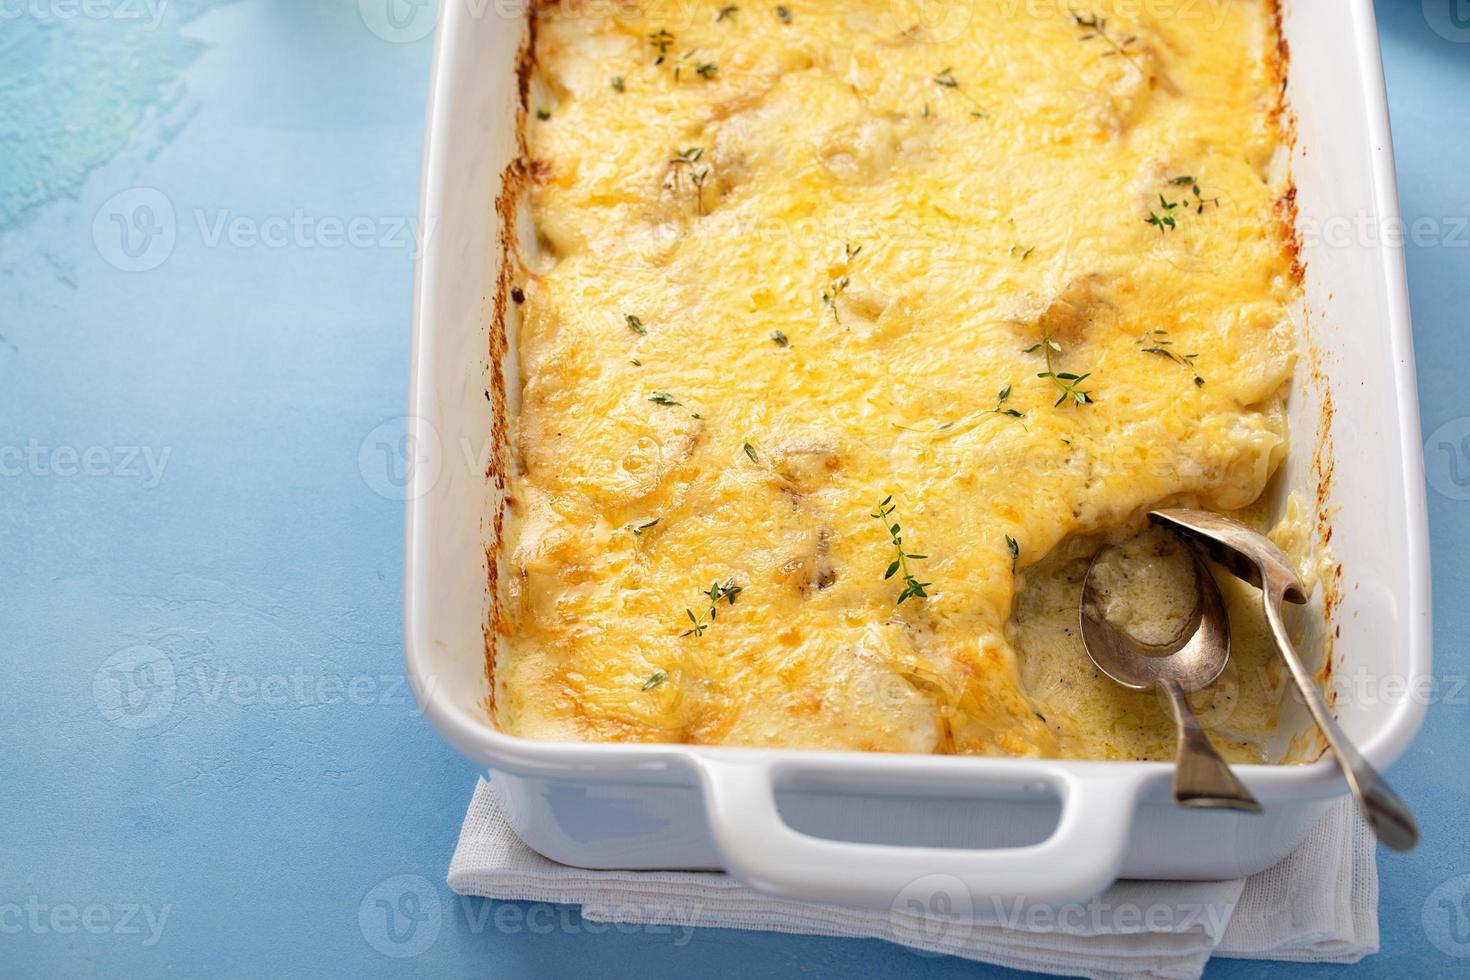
(1194, 659)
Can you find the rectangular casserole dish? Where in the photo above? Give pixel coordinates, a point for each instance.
(853, 828)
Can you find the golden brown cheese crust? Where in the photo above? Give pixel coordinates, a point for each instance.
(786, 269)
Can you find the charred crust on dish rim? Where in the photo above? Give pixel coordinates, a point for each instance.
(512, 185)
(1323, 463)
(1283, 118)
(1286, 218)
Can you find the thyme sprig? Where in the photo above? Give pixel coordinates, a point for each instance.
(697, 178)
(946, 79)
(1159, 343)
(704, 69)
(1167, 221)
(968, 421)
(1095, 28)
(688, 159)
(717, 593)
(661, 40)
(835, 289)
(1199, 200)
(838, 286)
(944, 428)
(912, 587)
(1066, 380)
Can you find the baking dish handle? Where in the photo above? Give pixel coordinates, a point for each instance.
(1078, 861)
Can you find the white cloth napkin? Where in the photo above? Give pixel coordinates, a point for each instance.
(1318, 905)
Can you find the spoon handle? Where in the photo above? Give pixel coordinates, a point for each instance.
(1385, 812)
(1201, 777)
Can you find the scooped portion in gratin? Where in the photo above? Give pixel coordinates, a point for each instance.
(850, 330)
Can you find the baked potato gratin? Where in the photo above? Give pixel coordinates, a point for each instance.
(849, 331)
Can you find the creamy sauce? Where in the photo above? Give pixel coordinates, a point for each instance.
(1152, 593)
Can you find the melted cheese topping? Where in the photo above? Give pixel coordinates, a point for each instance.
(787, 269)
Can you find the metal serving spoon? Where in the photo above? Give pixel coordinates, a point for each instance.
(1192, 660)
(1251, 556)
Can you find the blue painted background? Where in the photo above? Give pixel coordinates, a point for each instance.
(210, 761)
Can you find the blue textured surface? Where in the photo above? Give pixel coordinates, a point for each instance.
(204, 718)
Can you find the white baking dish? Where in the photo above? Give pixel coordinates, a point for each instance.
(857, 828)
